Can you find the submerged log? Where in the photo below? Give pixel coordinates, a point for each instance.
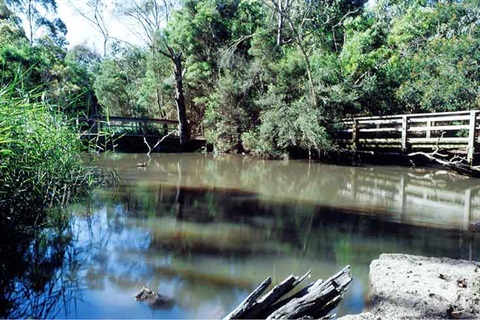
(316, 300)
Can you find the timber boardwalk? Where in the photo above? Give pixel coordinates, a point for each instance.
(455, 132)
(131, 134)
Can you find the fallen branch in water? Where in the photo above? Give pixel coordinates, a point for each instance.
(316, 300)
(158, 142)
(456, 163)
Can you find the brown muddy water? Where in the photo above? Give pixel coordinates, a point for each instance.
(206, 230)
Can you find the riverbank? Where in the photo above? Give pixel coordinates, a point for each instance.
(415, 287)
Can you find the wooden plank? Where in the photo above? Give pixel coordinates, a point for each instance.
(410, 129)
(379, 140)
(125, 119)
(418, 115)
(450, 147)
(355, 135)
(441, 141)
(380, 130)
(440, 128)
(433, 117)
(380, 121)
(148, 135)
(428, 129)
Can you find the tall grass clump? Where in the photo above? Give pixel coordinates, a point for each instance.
(40, 157)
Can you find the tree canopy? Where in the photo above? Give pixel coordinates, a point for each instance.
(269, 77)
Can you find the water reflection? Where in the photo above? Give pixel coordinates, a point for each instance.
(205, 231)
(37, 274)
(428, 197)
(208, 263)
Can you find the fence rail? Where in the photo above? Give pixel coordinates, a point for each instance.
(124, 126)
(455, 131)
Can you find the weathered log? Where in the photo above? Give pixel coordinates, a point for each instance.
(315, 300)
(245, 305)
(273, 295)
(297, 295)
(322, 298)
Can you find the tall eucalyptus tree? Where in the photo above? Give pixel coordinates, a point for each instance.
(36, 18)
(96, 13)
(152, 16)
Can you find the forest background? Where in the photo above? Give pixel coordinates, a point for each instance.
(268, 77)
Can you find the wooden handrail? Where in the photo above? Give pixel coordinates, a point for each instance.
(414, 115)
(127, 119)
(414, 130)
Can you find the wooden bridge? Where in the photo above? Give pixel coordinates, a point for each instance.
(455, 132)
(135, 134)
(125, 126)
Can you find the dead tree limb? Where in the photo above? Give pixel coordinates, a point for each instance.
(158, 142)
(249, 301)
(456, 163)
(321, 298)
(317, 299)
(273, 295)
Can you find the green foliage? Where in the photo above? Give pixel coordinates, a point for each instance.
(414, 56)
(272, 81)
(118, 81)
(40, 162)
(63, 80)
(231, 109)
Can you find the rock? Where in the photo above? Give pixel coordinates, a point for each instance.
(153, 299)
(414, 287)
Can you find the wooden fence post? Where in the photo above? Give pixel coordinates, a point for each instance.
(471, 137)
(355, 135)
(428, 134)
(404, 133)
(144, 127)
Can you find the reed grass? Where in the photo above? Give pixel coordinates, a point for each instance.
(40, 157)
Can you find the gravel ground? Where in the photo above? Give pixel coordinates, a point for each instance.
(415, 287)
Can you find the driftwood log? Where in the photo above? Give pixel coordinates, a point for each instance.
(316, 300)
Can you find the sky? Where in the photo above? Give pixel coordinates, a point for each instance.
(81, 31)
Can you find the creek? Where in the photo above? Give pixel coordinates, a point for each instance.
(205, 230)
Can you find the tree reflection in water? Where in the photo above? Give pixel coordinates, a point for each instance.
(38, 274)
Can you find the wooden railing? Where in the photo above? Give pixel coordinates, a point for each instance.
(124, 126)
(427, 131)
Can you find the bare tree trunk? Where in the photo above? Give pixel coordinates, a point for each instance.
(180, 99)
(283, 15)
(30, 21)
(298, 40)
(280, 23)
